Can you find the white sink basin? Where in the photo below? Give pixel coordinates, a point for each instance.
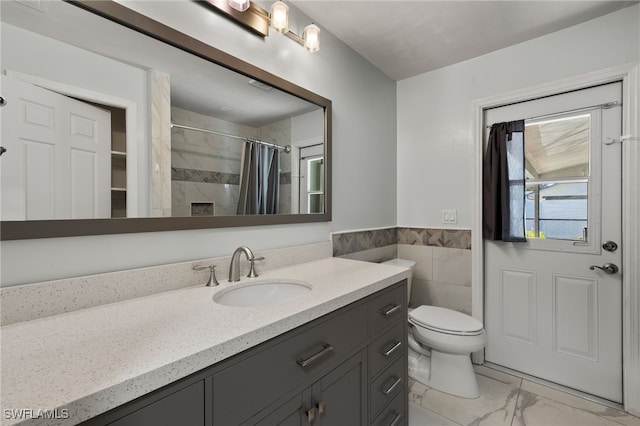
(261, 293)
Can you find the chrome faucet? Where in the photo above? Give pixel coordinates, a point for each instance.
(234, 268)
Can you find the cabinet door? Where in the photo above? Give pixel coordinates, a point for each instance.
(339, 398)
(294, 412)
(185, 407)
(336, 399)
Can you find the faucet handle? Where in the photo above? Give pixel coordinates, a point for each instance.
(212, 274)
(252, 270)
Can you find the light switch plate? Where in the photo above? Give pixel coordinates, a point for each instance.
(449, 216)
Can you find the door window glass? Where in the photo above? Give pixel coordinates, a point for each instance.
(557, 173)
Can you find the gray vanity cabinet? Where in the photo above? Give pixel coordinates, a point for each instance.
(348, 367)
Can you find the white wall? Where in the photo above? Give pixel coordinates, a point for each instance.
(435, 116)
(364, 158)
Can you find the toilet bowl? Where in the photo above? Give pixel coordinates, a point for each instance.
(441, 341)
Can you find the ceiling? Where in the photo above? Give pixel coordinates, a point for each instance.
(407, 38)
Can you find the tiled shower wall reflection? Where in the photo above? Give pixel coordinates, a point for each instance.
(205, 168)
(442, 275)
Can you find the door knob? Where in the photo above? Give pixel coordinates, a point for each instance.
(609, 268)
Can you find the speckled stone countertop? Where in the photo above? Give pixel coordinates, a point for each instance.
(89, 361)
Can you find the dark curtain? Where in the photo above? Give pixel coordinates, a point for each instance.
(503, 183)
(260, 180)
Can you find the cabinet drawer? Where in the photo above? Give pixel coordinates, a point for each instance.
(394, 414)
(390, 383)
(245, 388)
(387, 348)
(387, 308)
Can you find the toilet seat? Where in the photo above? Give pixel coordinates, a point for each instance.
(445, 321)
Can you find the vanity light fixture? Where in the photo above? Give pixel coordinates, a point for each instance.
(259, 20)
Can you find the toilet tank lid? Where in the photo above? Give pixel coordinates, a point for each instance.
(400, 262)
(445, 319)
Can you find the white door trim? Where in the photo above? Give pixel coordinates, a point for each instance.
(295, 167)
(630, 76)
(130, 108)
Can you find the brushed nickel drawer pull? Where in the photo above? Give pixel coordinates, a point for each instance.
(326, 348)
(311, 414)
(396, 419)
(395, 346)
(393, 386)
(390, 309)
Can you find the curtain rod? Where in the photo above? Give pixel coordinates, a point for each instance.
(284, 148)
(589, 108)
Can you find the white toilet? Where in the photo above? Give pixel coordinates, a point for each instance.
(440, 344)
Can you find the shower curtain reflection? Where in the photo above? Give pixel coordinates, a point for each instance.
(259, 180)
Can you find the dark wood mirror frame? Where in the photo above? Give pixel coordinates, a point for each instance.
(19, 230)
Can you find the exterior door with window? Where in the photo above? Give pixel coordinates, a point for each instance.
(554, 304)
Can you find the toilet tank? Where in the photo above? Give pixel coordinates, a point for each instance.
(405, 263)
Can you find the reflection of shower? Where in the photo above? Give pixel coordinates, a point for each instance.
(203, 160)
(286, 148)
(259, 180)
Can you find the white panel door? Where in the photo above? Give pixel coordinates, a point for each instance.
(548, 314)
(58, 159)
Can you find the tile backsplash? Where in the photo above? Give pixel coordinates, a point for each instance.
(450, 238)
(352, 242)
(345, 243)
(442, 275)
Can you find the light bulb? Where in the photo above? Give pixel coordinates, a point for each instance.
(311, 38)
(280, 17)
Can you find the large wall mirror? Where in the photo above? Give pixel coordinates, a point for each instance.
(115, 123)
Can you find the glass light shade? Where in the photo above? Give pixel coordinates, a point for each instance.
(311, 38)
(239, 5)
(280, 17)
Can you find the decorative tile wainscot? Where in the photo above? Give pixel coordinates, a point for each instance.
(442, 274)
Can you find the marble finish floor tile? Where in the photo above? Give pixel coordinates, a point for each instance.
(537, 401)
(495, 406)
(419, 416)
(536, 410)
(509, 400)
